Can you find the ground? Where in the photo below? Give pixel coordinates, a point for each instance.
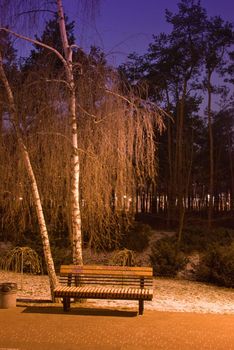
(49, 328)
(183, 315)
(178, 294)
(169, 294)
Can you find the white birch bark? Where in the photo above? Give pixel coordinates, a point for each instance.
(35, 193)
(75, 162)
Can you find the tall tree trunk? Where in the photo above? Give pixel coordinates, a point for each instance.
(75, 162)
(180, 167)
(230, 153)
(171, 169)
(34, 187)
(171, 196)
(211, 153)
(1, 122)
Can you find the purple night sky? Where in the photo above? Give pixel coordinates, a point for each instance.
(121, 27)
(124, 26)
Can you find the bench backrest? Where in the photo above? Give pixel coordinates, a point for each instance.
(106, 275)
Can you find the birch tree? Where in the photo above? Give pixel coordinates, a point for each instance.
(75, 209)
(75, 164)
(25, 156)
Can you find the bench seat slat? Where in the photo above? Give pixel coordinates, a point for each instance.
(122, 283)
(102, 278)
(105, 270)
(109, 293)
(101, 267)
(113, 283)
(107, 277)
(112, 273)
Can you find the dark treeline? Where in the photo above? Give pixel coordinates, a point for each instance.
(189, 72)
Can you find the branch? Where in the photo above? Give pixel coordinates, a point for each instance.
(36, 42)
(120, 96)
(48, 81)
(86, 112)
(58, 81)
(77, 47)
(90, 154)
(54, 133)
(35, 11)
(157, 108)
(90, 115)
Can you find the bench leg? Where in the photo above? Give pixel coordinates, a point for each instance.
(66, 304)
(141, 307)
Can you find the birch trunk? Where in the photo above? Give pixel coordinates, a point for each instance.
(75, 162)
(34, 188)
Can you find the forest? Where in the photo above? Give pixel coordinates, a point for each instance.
(91, 153)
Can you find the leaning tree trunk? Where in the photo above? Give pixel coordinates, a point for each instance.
(75, 162)
(33, 182)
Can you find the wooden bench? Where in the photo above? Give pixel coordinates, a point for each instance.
(105, 282)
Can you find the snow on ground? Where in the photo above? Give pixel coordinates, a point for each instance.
(183, 296)
(169, 294)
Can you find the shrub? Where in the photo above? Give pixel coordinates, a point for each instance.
(123, 257)
(137, 237)
(198, 239)
(217, 266)
(22, 259)
(164, 258)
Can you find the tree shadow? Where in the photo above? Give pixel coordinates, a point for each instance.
(80, 311)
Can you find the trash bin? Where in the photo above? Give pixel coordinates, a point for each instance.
(8, 293)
